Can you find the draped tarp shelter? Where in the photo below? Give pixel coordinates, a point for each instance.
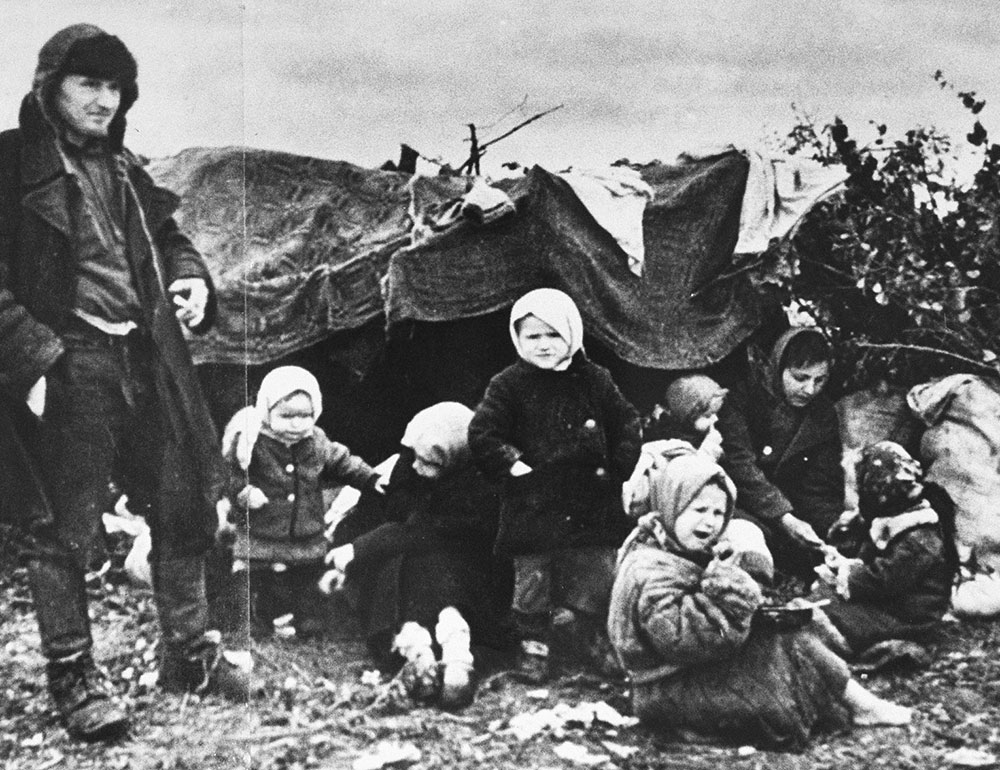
(307, 252)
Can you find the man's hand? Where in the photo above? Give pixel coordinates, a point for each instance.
(340, 557)
(36, 397)
(800, 531)
(225, 531)
(190, 295)
(520, 469)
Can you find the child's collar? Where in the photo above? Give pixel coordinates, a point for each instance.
(884, 529)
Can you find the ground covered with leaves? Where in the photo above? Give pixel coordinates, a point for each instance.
(325, 705)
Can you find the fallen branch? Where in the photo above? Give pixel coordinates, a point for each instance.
(929, 350)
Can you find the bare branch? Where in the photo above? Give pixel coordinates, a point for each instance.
(931, 351)
(521, 125)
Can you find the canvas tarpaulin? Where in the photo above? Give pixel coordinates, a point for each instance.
(681, 314)
(298, 246)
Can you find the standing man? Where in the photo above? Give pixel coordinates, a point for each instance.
(96, 382)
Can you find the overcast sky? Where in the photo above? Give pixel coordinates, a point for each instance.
(641, 79)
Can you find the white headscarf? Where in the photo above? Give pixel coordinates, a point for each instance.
(280, 383)
(440, 434)
(558, 310)
(243, 429)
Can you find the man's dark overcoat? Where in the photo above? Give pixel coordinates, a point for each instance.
(40, 207)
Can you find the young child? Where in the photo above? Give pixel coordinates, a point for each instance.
(279, 460)
(684, 423)
(681, 620)
(556, 428)
(900, 585)
(689, 412)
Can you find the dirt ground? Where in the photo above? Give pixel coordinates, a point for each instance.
(323, 707)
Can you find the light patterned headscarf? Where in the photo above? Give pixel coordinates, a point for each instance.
(558, 310)
(672, 488)
(889, 480)
(440, 434)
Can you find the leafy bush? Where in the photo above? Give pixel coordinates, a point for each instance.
(902, 268)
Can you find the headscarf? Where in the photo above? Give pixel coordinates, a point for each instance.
(244, 428)
(83, 49)
(558, 310)
(672, 488)
(775, 364)
(278, 384)
(887, 478)
(440, 434)
(689, 397)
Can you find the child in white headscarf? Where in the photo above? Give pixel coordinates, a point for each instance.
(279, 461)
(559, 433)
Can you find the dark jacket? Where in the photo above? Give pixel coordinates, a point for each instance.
(457, 512)
(423, 545)
(782, 459)
(290, 526)
(40, 206)
(899, 592)
(581, 438)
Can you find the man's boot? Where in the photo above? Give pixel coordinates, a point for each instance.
(192, 657)
(87, 705)
(532, 665)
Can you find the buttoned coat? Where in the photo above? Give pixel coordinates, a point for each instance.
(580, 436)
(290, 526)
(782, 460)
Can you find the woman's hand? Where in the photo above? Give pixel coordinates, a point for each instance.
(800, 531)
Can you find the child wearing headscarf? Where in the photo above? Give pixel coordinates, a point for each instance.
(688, 413)
(558, 432)
(682, 621)
(899, 586)
(683, 423)
(279, 461)
(429, 564)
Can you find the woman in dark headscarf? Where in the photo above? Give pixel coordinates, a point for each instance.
(681, 619)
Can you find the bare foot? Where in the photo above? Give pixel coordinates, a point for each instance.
(869, 710)
(888, 714)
